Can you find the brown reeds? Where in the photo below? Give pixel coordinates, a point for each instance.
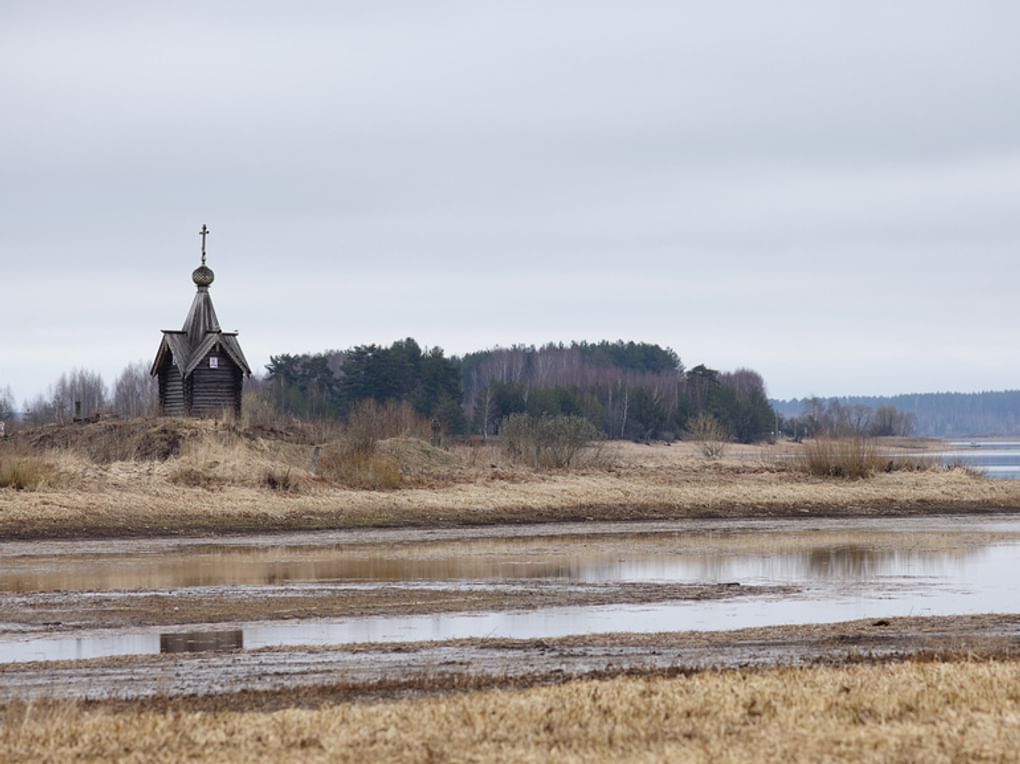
(841, 457)
(857, 458)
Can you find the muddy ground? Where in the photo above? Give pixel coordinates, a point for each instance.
(54, 613)
(193, 599)
(50, 587)
(271, 678)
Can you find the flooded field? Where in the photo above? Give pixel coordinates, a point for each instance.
(71, 601)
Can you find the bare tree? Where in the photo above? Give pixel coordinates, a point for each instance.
(710, 435)
(6, 404)
(40, 410)
(135, 391)
(78, 385)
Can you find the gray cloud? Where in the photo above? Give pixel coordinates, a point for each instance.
(825, 191)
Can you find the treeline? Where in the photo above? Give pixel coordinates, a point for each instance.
(832, 417)
(626, 389)
(134, 393)
(939, 415)
(329, 385)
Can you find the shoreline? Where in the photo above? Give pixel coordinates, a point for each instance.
(72, 532)
(88, 519)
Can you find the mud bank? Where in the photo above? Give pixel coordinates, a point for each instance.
(48, 614)
(274, 678)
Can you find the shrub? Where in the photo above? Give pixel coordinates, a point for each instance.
(546, 441)
(371, 421)
(710, 435)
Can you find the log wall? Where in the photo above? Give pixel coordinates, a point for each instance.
(214, 391)
(171, 390)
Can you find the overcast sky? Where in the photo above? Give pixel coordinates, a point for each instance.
(827, 192)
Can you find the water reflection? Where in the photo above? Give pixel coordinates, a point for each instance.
(707, 558)
(986, 583)
(201, 641)
(924, 566)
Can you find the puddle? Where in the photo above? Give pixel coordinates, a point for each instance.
(844, 569)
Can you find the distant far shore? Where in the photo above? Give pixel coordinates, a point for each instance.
(162, 477)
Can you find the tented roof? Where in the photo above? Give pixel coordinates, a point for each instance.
(200, 334)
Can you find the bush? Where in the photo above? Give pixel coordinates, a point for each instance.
(710, 435)
(546, 441)
(371, 421)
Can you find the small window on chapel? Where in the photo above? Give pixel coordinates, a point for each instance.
(214, 362)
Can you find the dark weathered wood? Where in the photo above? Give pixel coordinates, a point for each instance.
(171, 390)
(188, 385)
(216, 390)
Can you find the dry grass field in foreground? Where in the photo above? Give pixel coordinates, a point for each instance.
(152, 477)
(914, 711)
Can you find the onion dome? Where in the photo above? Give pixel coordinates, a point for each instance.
(202, 275)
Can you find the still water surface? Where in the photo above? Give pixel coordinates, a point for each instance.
(996, 458)
(843, 570)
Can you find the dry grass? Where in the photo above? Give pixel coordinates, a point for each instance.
(50, 470)
(137, 499)
(280, 479)
(917, 711)
(224, 459)
(362, 468)
(23, 472)
(219, 481)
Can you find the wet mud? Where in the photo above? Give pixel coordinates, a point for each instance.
(222, 670)
(378, 611)
(53, 613)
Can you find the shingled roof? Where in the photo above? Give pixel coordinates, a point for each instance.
(201, 332)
